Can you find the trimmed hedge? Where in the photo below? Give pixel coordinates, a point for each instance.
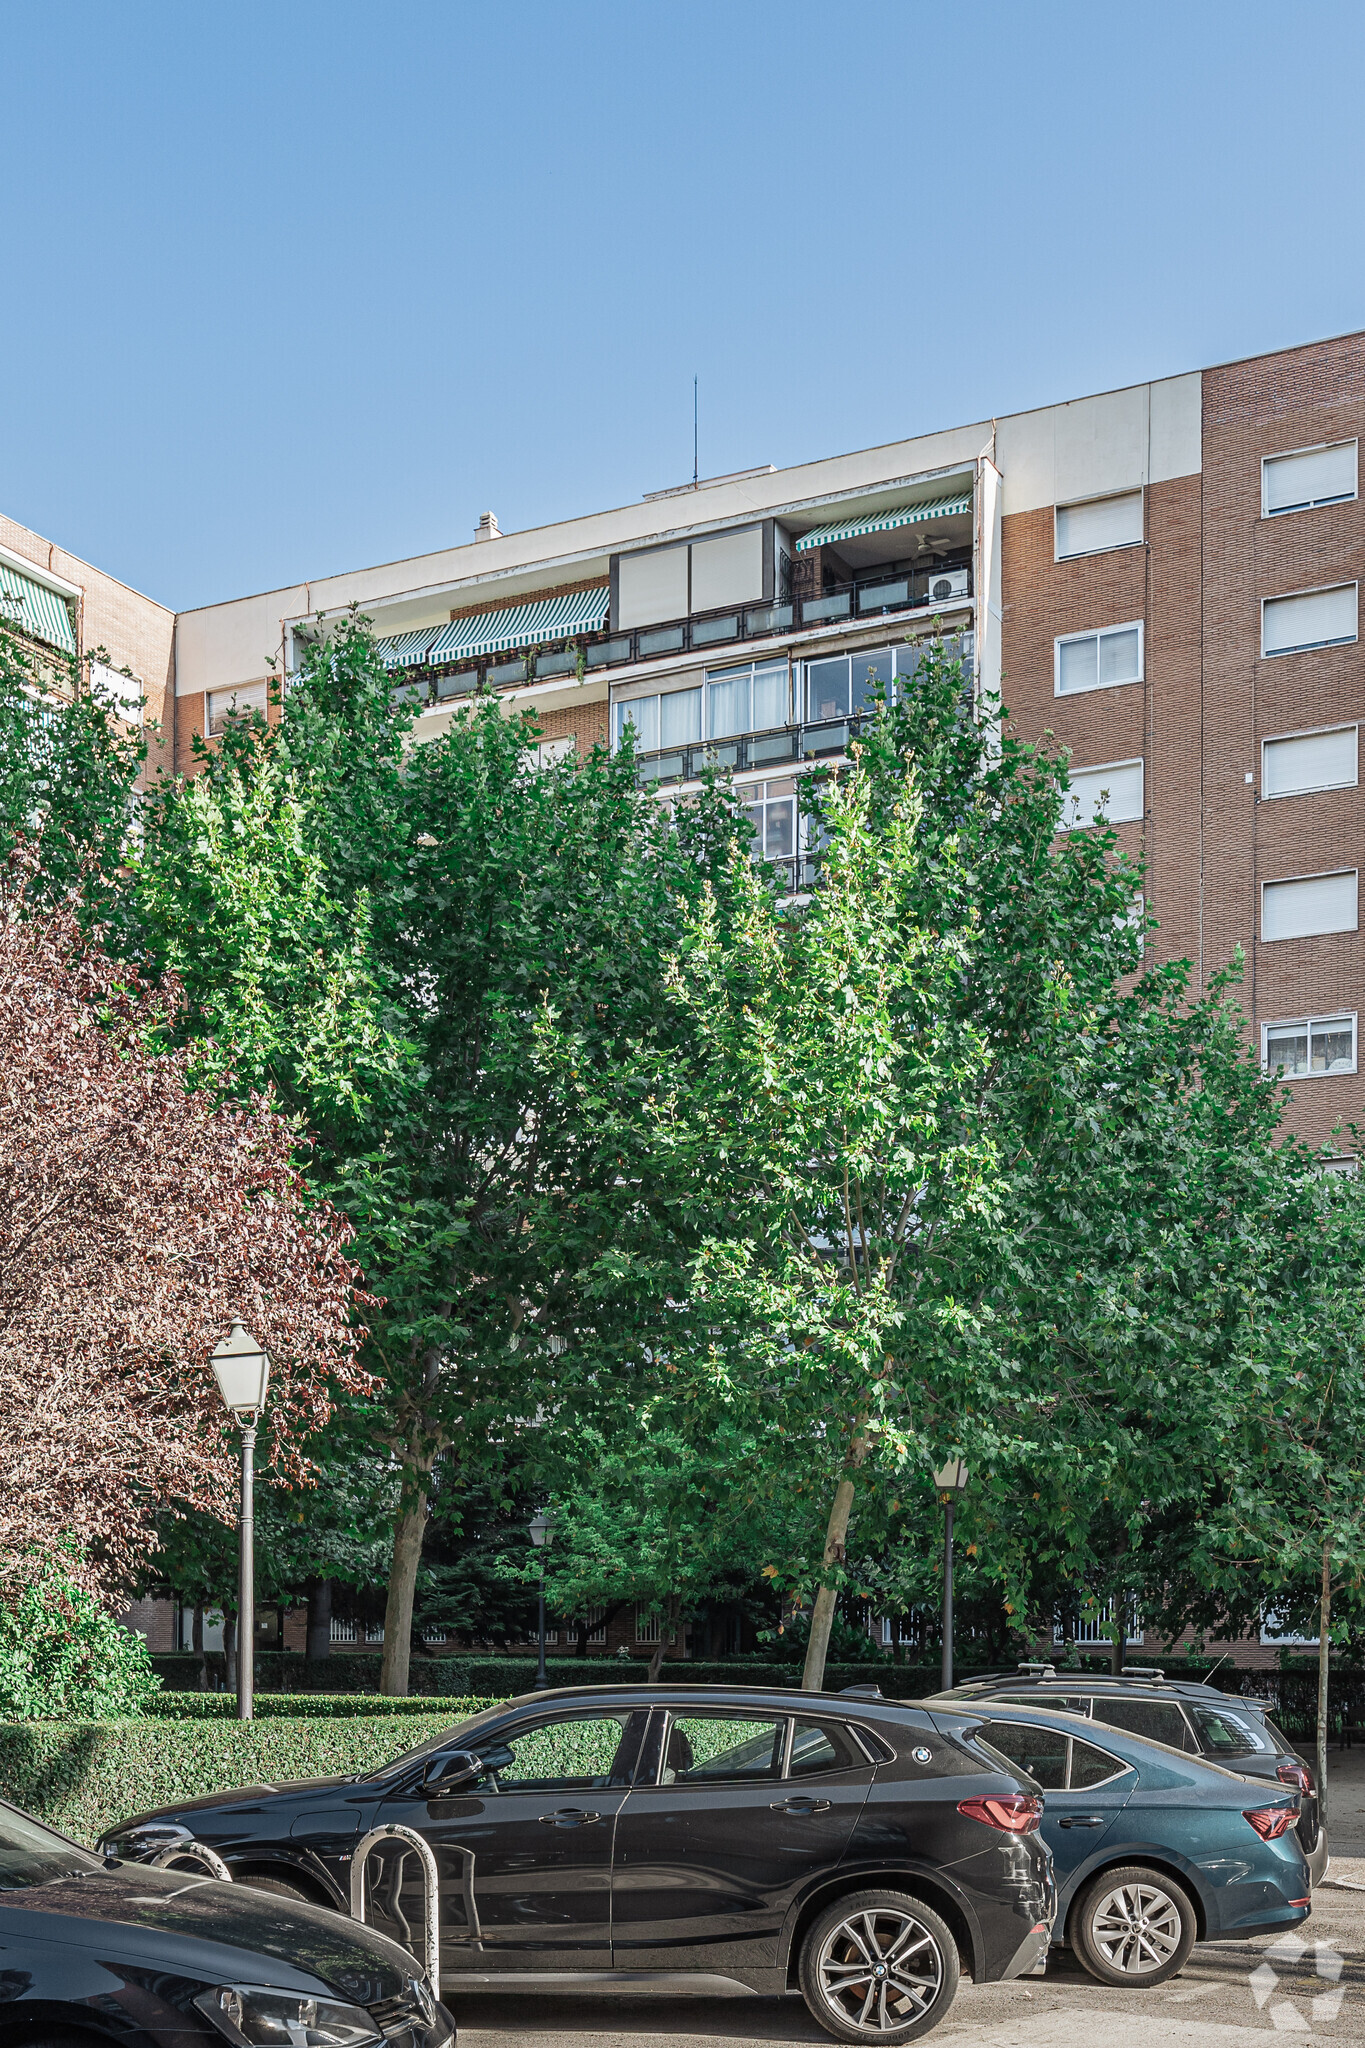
(310, 1706)
(83, 1776)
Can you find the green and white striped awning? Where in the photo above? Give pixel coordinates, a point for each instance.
(522, 625)
(35, 609)
(406, 650)
(883, 522)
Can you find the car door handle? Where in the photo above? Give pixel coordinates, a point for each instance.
(802, 1806)
(568, 1817)
(1082, 1820)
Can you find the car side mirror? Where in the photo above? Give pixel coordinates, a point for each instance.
(447, 1773)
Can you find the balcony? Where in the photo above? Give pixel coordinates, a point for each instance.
(783, 745)
(878, 594)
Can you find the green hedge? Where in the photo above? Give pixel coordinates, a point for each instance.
(287, 1672)
(83, 1776)
(320, 1706)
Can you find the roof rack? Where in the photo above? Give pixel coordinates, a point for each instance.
(1143, 1671)
(1039, 1670)
(861, 1692)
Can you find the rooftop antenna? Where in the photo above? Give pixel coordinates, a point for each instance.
(694, 434)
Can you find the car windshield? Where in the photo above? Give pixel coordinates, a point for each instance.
(31, 1854)
(460, 1735)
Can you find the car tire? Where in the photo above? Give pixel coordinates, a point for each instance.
(1133, 1926)
(851, 1968)
(282, 1887)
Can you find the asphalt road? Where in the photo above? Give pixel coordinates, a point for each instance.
(1311, 1987)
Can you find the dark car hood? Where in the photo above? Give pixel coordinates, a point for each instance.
(215, 1931)
(240, 1795)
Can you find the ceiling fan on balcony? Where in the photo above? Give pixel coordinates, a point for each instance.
(932, 544)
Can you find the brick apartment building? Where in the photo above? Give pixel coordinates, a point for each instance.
(1165, 578)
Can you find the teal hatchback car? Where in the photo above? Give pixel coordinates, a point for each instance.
(1153, 1849)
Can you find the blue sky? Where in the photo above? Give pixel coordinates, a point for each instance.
(294, 288)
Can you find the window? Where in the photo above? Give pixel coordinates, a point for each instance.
(584, 1753)
(1309, 477)
(225, 705)
(727, 570)
(1308, 905)
(116, 692)
(1310, 760)
(821, 1746)
(649, 1628)
(672, 719)
(1091, 1766)
(721, 1749)
(1158, 1720)
(1057, 1762)
(1113, 792)
(1310, 1045)
(1097, 661)
(754, 697)
(1103, 523)
(1223, 1734)
(1313, 618)
(650, 588)
(770, 808)
(846, 683)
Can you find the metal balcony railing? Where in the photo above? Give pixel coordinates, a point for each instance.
(806, 742)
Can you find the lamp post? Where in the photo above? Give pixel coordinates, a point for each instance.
(951, 1482)
(242, 1371)
(542, 1535)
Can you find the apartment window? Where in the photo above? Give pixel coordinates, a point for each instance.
(672, 719)
(1097, 661)
(1100, 524)
(651, 587)
(1304, 761)
(225, 705)
(1113, 792)
(846, 683)
(117, 692)
(1308, 905)
(1311, 618)
(649, 1627)
(1308, 477)
(1310, 1045)
(770, 808)
(754, 697)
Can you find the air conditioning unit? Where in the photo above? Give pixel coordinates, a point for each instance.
(946, 583)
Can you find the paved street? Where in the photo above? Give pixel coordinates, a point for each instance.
(1225, 1996)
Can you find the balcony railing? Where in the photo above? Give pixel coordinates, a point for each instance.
(874, 596)
(751, 750)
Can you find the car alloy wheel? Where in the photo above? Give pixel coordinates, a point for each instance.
(1134, 1926)
(879, 1966)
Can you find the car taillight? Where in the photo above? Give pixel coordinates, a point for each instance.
(1270, 1822)
(1296, 1774)
(1018, 1813)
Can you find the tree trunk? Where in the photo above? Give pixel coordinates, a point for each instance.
(319, 1639)
(409, 1529)
(197, 1644)
(822, 1614)
(1324, 1647)
(230, 1648)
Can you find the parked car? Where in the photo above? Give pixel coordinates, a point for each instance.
(1183, 1712)
(705, 1837)
(1153, 1848)
(93, 1949)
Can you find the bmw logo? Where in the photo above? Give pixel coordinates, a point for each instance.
(921, 1755)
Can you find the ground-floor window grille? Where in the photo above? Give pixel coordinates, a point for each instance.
(1097, 1630)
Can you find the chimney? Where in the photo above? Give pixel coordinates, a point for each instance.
(488, 528)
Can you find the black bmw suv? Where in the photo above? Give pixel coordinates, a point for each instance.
(857, 1851)
(1185, 1713)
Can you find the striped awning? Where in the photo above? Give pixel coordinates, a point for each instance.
(406, 650)
(522, 625)
(35, 609)
(883, 522)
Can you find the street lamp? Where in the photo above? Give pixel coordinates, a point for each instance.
(542, 1535)
(242, 1371)
(951, 1482)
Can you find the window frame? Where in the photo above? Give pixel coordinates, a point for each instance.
(668, 1717)
(1070, 1737)
(1313, 504)
(1113, 547)
(549, 1718)
(1098, 633)
(1310, 646)
(216, 723)
(1309, 732)
(1106, 768)
(1318, 875)
(1292, 1023)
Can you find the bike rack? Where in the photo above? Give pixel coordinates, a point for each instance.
(166, 1858)
(431, 1889)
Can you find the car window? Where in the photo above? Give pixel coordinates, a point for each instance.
(1039, 1751)
(1222, 1733)
(1277, 1735)
(1061, 1702)
(821, 1746)
(580, 1753)
(1158, 1720)
(1091, 1766)
(719, 1749)
(31, 1854)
